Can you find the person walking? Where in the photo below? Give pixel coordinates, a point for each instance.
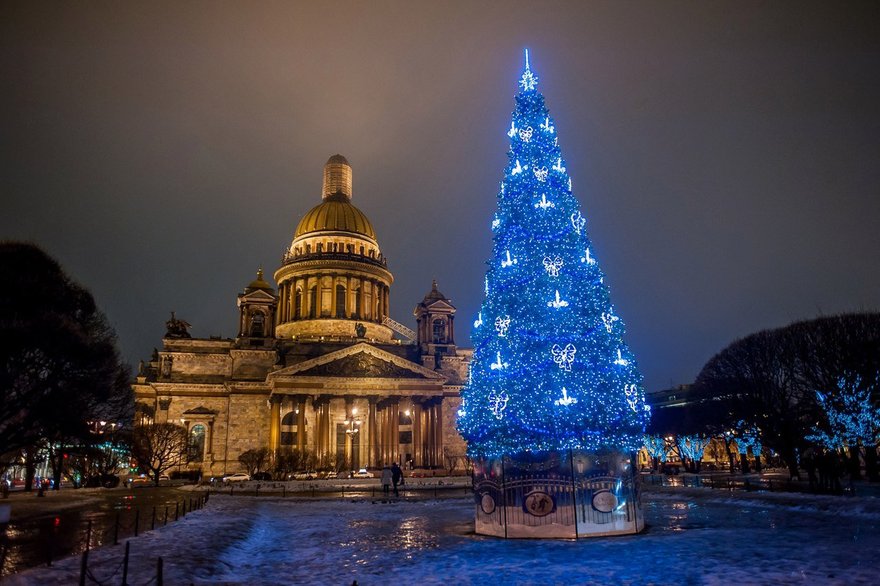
(396, 476)
(386, 479)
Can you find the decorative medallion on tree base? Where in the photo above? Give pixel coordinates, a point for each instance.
(557, 495)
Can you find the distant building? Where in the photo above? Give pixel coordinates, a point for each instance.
(677, 396)
(315, 366)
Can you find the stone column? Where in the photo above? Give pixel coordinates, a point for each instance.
(301, 424)
(349, 304)
(417, 432)
(363, 295)
(374, 454)
(395, 430)
(324, 440)
(274, 424)
(438, 432)
(380, 297)
(209, 440)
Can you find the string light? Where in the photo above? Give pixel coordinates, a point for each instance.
(544, 378)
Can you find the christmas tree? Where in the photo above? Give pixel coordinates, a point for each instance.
(550, 371)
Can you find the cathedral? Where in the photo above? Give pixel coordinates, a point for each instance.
(318, 368)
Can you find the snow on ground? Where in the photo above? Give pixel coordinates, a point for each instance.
(694, 536)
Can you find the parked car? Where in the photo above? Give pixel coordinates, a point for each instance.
(237, 477)
(262, 476)
(362, 473)
(145, 480)
(331, 474)
(307, 475)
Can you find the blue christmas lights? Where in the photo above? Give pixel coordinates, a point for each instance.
(554, 373)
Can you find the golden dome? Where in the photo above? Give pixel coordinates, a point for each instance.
(259, 283)
(335, 214)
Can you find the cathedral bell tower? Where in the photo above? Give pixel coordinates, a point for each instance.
(256, 324)
(435, 317)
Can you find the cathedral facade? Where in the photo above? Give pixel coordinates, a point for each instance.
(316, 369)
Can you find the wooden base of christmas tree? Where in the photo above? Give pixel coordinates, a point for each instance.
(558, 495)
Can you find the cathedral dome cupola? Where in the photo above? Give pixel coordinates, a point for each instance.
(333, 275)
(259, 283)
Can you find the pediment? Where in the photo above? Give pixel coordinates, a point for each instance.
(440, 304)
(359, 361)
(258, 295)
(200, 410)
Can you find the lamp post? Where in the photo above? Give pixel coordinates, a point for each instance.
(352, 429)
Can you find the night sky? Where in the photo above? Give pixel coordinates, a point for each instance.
(727, 155)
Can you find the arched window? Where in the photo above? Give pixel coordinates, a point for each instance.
(357, 303)
(439, 331)
(313, 302)
(340, 301)
(196, 444)
(297, 303)
(257, 322)
(290, 429)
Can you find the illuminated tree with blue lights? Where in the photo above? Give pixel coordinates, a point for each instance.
(551, 370)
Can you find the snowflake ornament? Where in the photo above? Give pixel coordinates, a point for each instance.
(501, 325)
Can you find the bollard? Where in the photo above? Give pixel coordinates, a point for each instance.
(83, 566)
(176, 512)
(89, 536)
(165, 521)
(137, 521)
(125, 564)
(159, 579)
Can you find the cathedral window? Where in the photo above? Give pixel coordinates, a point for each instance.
(439, 331)
(297, 303)
(257, 323)
(196, 444)
(340, 301)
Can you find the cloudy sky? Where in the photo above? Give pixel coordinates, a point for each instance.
(727, 154)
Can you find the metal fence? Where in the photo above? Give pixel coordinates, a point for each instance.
(43, 541)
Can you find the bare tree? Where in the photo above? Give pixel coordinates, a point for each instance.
(254, 460)
(158, 447)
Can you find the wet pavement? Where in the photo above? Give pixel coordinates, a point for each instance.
(35, 538)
